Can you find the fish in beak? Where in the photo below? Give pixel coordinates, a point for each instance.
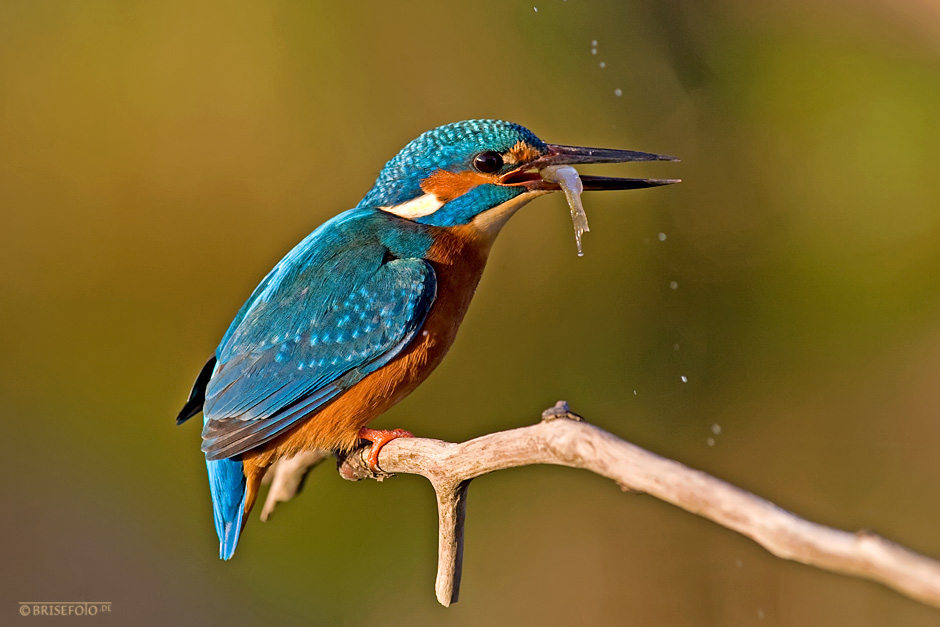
(554, 171)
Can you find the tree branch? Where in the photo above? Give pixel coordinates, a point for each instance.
(562, 439)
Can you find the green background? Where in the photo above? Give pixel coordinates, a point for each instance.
(156, 159)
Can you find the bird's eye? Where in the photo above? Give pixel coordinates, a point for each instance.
(488, 162)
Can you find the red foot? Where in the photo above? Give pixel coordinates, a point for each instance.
(380, 438)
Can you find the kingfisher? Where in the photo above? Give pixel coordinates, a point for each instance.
(361, 311)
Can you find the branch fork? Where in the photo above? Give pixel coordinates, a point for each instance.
(563, 438)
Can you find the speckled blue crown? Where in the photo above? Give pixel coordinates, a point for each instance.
(449, 147)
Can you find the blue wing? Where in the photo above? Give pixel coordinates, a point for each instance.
(322, 320)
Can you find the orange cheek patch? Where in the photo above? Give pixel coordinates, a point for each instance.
(523, 152)
(449, 185)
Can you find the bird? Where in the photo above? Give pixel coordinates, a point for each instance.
(360, 312)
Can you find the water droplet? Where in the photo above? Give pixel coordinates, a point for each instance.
(594, 42)
(710, 441)
(684, 379)
(618, 92)
(673, 285)
(593, 50)
(716, 429)
(603, 65)
(536, 9)
(662, 237)
(675, 347)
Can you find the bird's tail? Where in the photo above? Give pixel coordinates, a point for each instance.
(229, 488)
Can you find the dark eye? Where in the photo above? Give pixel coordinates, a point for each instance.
(488, 162)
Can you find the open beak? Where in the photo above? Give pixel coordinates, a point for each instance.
(559, 155)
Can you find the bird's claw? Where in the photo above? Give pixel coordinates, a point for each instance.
(379, 438)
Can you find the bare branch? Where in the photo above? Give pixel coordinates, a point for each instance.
(566, 442)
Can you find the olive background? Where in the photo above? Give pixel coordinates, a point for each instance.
(157, 158)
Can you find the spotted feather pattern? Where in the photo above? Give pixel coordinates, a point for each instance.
(312, 330)
(450, 148)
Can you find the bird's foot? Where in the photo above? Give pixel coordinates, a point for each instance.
(380, 438)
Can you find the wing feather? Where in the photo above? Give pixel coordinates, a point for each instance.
(310, 332)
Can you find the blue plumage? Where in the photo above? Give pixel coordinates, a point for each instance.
(463, 209)
(336, 308)
(355, 295)
(227, 486)
(332, 311)
(447, 148)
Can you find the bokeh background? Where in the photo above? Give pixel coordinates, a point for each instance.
(157, 158)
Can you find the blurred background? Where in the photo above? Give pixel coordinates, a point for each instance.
(773, 320)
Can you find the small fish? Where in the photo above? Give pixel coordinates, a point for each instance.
(570, 182)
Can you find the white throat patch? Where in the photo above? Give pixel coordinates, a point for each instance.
(418, 207)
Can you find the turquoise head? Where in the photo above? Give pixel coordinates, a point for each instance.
(452, 174)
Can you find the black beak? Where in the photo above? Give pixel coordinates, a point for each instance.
(574, 155)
